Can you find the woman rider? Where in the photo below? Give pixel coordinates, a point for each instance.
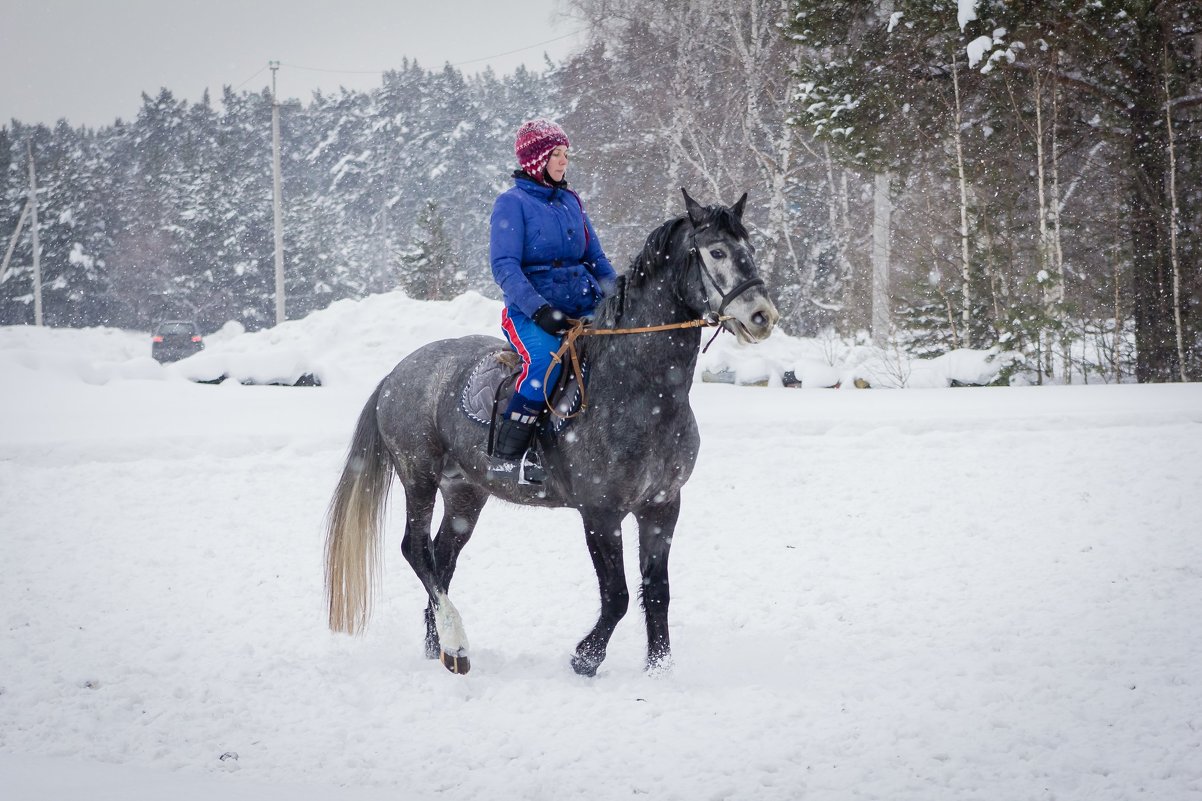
(550, 266)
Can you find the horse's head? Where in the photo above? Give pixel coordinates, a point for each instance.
(730, 284)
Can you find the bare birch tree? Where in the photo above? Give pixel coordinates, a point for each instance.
(1174, 212)
(965, 260)
(882, 221)
(723, 114)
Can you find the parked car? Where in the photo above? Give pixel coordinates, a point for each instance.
(175, 339)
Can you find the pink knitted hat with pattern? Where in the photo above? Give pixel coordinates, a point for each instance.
(535, 141)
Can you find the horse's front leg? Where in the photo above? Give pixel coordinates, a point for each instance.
(603, 534)
(657, 524)
(461, 509)
(419, 553)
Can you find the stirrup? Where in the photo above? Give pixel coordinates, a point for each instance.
(532, 470)
(526, 469)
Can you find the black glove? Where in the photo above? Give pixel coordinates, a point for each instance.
(553, 322)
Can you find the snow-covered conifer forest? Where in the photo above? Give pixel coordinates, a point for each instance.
(970, 594)
(930, 175)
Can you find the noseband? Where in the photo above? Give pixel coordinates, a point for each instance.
(727, 296)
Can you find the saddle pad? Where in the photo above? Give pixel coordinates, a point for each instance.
(481, 386)
(481, 389)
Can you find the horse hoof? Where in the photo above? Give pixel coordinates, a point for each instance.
(456, 664)
(585, 667)
(658, 668)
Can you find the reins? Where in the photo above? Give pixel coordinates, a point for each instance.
(579, 329)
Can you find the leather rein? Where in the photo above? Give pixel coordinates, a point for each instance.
(579, 329)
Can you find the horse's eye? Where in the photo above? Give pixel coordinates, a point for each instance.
(718, 254)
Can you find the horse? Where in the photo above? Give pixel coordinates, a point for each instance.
(630, 453)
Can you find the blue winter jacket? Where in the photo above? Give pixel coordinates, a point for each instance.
(544, 251)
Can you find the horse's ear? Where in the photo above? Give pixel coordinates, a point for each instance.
(696, 212)
(737, 208)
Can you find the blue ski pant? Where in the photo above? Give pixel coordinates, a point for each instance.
(535, 347)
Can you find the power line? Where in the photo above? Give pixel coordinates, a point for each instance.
(320, 69)
(251, 78)
(520, 49)
(456, 64)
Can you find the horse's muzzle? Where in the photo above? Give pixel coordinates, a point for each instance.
(754, 318)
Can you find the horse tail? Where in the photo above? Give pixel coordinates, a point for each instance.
(353, 524)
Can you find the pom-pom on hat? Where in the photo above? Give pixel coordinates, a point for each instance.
(535, 141)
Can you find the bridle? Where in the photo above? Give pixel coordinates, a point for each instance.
(727, 296)
(711, 318)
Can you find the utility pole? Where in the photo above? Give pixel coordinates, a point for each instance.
(276, 211)
(12, 242)
(37, 255)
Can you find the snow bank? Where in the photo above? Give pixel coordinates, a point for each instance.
(349, 341)
(359, 341)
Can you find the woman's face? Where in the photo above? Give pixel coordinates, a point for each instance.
(557, 165)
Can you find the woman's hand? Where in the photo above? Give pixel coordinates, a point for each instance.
(552, 321)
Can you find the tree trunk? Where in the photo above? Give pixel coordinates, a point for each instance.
(965, 262)
(1154, 349)
(1173, 224)
(1057, 249)
(1116, 355)
(1043, 361)
(882, 213)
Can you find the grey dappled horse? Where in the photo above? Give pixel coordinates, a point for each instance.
(631, 453)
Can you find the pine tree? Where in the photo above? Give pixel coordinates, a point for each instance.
(1048, 79)
(428, 269)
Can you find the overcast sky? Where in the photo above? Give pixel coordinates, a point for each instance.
(90, 60)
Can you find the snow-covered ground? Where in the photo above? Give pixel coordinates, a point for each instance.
(923, 594)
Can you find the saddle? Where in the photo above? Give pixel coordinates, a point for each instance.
(491, 384)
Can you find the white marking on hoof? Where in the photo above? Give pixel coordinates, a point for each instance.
(661, 668)
(447, 622)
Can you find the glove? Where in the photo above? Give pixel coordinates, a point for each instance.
(553, 322)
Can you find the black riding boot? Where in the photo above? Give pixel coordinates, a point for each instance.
(511, 453)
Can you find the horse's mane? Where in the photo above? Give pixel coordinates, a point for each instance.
(665, 249)
(658, 250)
(656, 253)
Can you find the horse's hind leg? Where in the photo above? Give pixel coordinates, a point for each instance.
(603, 533)
(419, 553)
(462, 503)
(656, 526)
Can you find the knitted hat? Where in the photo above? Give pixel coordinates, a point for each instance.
(535, 141)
